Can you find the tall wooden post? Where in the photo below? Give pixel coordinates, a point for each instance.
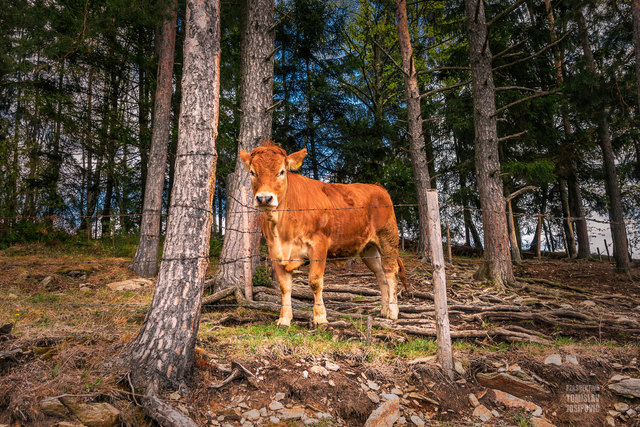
(449, 258)
(443, 334)
(538, 231)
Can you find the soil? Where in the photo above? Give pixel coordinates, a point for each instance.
(568, 307)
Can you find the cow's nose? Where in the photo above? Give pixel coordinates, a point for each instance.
(264, 199)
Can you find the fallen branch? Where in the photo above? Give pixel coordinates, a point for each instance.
(238, 371)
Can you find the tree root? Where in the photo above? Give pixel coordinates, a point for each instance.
(161, 412)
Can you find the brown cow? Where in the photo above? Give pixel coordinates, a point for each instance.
(304, 219)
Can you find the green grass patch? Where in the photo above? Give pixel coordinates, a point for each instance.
(416, 348)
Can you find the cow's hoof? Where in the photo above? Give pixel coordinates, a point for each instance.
(320, 321)
(384, 311)
(284, 323)
(393, 312)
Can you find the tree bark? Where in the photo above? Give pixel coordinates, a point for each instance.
(635, 13)
(164, 349)
(240, 250)
(145, 262)
(414, 119)
(566, 221)
(497, 266)
(575, 206)
(612, 184)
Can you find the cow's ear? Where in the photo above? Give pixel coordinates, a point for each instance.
(294, 161)
(246, 159)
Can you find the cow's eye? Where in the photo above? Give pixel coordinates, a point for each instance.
(253, 174)
(281, 173)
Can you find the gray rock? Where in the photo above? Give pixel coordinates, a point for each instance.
(553, 359)
(95, 414)
(417, 420)
(322, 415)
(401, 421)
(372, 385)
(263, 412)
(474, 400)
(385, 415)
(457, 366)
(373, 397)
(53, 408)
(396, 391)
(279, 396)
(275, 405)
(628, 387)
(389, 396)
(320, 370)
(274, 420)
(571, 359)
(621, 406)
(311, 421)
(331, 366)
(294, 413)
(482, 413)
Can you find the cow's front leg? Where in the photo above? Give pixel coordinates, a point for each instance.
(285, 280)
(316, 282)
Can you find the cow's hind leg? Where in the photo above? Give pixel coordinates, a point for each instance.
(286, 281)
(372, 259)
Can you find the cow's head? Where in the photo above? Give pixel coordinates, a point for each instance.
(268, 166)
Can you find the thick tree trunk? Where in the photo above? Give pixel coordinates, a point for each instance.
(240, 251)
(145, 262)
(635, 13)
(414, 119)
(575, 206)
(497, 266)
(612, 184)
(165, 346)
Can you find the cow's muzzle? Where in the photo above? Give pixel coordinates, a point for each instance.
(266, 200)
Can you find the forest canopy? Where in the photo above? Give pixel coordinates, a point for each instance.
(78, 80)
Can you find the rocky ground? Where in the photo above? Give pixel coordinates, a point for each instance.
(560, 348)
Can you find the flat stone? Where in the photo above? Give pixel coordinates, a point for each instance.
(385, 415)
(372, 385)
(331, 366)
(263, 412)
(621, 406)
(305, 374)
(401, 421)
(512, 385)
(389, 396)
(53, 408)
(46, 281)
(253, 414)
(322, 415)
(95, 414)
(274, 420)
(457, 366)
(629, 387)
(511, 401)
(311, 421)
(631, 413)
(373, 397)
(417, 420)
(275, 405)
(541, 422)
(294, 413)
(129, 285)
(571, 359)
(396, 391)
(279, 396)
(320, 370)
(473, 400)
(553, 359)
(611, 421)
(482, 413)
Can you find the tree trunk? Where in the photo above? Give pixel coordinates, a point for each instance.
(575, 206)
(566, 221)
(635, 13)
(414, 119)
(145, 262)
(616, 216)
(497, 266)
(164, 349)
(240, 250)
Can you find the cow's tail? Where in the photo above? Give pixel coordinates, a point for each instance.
(402, 274)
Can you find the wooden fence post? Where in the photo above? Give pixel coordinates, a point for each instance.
(449, 243)
(606, 246)
(443, 334)
(599, 256)
(538, 234)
